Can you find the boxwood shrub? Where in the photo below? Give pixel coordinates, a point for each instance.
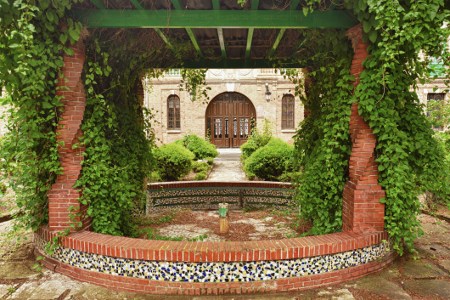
(200, 147)
(174, 161)
(271, 161)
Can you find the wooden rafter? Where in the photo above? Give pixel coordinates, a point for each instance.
(99, 4)
(277, 41)
(161, 34)
(190, 32)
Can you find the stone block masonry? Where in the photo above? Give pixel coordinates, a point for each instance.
(64, 207)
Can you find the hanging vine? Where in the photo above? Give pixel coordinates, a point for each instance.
(32, 43)
(409, 160)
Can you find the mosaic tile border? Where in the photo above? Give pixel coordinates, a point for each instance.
(208, 197)
(220, 271)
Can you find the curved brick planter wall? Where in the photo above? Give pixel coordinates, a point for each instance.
(208, 194)
(166, 267)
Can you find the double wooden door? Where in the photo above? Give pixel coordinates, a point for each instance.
(229, 119)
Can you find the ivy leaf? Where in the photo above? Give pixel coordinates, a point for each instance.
(373, 36)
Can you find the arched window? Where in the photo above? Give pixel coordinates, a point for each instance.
(287, 112)
(173, 112)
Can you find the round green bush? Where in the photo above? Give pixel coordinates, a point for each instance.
(200, 147)
(269, 162)
(173, 161)
(248, 148)
(201, 176)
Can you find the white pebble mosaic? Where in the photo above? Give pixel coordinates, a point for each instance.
(220, 271)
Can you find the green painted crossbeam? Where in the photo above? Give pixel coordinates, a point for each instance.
(132, 18)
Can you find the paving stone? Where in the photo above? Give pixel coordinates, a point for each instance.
(445, 263)
(421, 269)
(383, 287)
(17, 270)
(5, 289)
(431, 288)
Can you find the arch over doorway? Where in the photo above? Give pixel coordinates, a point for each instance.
(229, 117)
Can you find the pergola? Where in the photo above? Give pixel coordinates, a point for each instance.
(237, 37)
(223, 35)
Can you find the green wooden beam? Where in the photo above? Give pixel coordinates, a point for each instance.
(164, 38)
(277, 41)
(294, 4)
(194, 41)
(248, 48)
(255, 4)
(222, 43)
(130, 18)
(99, 4)
(216, 4)
(178, 6)
(161, 34)
(136, 4)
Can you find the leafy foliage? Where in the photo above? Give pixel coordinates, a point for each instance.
(407, 155)
(173, 161)
(117, 155)
(257, 139)
(200, 147)
(31, 47)
(270, 161)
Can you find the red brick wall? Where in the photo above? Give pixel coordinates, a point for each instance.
(63, 197)
(362, 210)
(215, 252)
(212, 288)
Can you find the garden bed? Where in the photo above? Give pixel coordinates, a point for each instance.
(203, 225)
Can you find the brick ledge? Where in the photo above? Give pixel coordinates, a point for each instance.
(141, 249)
(211, 288)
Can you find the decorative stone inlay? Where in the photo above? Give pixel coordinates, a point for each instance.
(220, 271)
(210, 197)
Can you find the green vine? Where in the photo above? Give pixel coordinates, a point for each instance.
(322, 144)
(117, 156)
(32, 43)
(409, 160)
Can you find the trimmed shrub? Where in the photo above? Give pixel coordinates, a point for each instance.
(201, 176)
(210, 160)
(248, 148)
(199, 166)
(200, 147)
(271, 161)
(173, 161)
(256, 140)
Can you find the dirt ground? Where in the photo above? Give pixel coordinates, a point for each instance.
(244, 225)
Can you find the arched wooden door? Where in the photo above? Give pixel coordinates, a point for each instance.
(229, 119)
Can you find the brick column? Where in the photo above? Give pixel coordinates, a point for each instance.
(64, 208)
(362, 210)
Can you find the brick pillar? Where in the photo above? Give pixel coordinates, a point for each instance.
(64, 208)
(362, 210)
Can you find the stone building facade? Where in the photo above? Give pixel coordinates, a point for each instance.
(238, 100)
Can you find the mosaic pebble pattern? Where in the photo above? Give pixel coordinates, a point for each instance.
(208, 198)
(220, 271)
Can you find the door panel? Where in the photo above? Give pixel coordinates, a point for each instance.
(229, 118)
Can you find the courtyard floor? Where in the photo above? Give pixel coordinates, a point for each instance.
(425, 276)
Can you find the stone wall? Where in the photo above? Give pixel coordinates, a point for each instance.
(249, 82)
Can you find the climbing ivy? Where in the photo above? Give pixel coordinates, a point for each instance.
(117, 155)
(33, 40)
(408, 158)
(322, 144)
